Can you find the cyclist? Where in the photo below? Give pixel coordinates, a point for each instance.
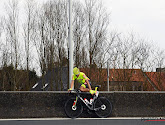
(83, 79)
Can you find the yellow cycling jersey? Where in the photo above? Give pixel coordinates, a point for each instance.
(81, 78)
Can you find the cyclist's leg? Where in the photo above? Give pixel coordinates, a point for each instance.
(84, 87)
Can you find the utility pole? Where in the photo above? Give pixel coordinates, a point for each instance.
(70, 43)
(108, 75)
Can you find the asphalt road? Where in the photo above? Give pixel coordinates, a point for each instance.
(84, 121)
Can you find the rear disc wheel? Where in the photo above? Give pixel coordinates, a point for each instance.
(103, 107)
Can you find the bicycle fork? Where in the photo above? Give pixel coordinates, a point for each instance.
(75, 102)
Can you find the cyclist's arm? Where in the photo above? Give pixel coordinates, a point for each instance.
(72, 84)
(88, 84)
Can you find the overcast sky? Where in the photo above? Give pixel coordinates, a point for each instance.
(145, 17)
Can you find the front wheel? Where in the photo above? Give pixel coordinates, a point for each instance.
(103, 107)
(71, 109)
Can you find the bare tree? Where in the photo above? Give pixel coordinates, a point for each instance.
(159, 58)
(143, 54)
(97, 22)
(1, 30)
(12, 34)
(52, 36)
(39, 39)
(79, 33)
(28, 28)
(12, 30)
(61, 34)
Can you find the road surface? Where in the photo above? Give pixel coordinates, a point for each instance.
(83, 121)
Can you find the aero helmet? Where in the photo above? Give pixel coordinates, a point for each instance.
(76, 71)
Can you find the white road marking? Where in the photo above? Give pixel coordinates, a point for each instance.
(115, 118)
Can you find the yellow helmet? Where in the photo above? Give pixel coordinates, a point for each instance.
(76, 71)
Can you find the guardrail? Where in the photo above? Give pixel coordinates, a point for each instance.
(51, 104)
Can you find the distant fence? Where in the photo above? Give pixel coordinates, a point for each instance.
(51, 104)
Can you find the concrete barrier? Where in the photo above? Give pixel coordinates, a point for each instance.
(51, 104)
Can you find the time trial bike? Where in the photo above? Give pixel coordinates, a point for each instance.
(100, 105)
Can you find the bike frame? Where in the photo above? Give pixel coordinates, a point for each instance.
(88, 105)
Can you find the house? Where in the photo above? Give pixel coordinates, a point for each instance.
(119, 80)
(128, 79)
(158, 78)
